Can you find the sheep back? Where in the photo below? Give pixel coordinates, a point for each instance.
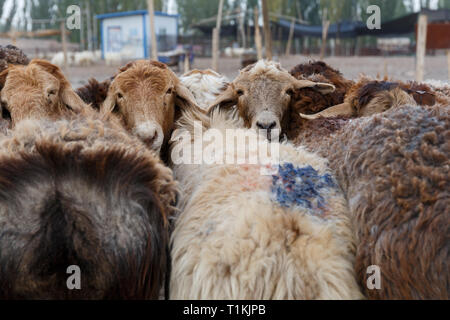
(81, 193)
(243, 235)
(394, 169)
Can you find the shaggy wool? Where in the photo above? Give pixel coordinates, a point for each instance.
(243, 235)
(83, 193)
(394, 170)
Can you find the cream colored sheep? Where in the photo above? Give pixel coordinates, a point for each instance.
(243, 235)
(205, 85)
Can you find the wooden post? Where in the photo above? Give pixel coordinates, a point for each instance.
(88, 25)
(385, 70)
(448, 63)
(82, 38)
(323, 49)
(242, 28)
(291, 35)
(421, 46)
(187, 65)
(94, 24)
(64, 42)
(267, 33)
(258, 42)
(216, 39)
(151, 15)
(325, 26)
(13, 36)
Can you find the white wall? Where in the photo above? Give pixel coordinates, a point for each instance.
(124, 35)
(164, 26)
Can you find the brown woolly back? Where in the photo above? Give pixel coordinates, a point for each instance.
(312, 131)
(81, 193)
(314, 67)
(393, 168)
(12, 55)
(308, 101)
(94, 93)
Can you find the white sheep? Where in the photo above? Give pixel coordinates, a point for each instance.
(113, 58)
(243, 235)
(58, 58)
(205, 85)
(85, 58)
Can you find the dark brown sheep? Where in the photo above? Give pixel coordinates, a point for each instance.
(9, 55)
(393, 168)
(310, 101)
(94, 92)
(12, 55)
(81, 193)
(368, 97)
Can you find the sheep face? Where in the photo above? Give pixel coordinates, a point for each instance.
(262, 94)
(36, 91)
(146, 97)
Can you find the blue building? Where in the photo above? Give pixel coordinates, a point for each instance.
(128, 33)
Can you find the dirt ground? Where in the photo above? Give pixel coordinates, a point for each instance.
(401, 68)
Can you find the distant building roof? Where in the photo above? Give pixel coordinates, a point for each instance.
(348, 29)
(132, 13)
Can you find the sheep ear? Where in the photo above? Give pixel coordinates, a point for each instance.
(107, 106)
(226, 99)
(344, 110)
(126, 67)
(72, 100)
(3, 76)
(68, 95)
(323, 88)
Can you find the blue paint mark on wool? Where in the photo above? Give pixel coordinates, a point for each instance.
(300, 186)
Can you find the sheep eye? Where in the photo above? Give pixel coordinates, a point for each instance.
(119, 95)
(169, 91)
(52, 92)
(290, 92)
(240, 92)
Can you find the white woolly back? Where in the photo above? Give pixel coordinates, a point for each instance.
(204, 85)
(264, 67)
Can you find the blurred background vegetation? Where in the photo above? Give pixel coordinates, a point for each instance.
(17, 14)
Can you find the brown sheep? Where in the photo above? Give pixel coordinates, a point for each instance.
(263, 94)
(12, 55)
(9, 55)
(147, 98)
(38, 90)
(82, 192)
(393, 169)
(368, 97)
(310, 101)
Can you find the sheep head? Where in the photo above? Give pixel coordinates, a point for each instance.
(263, 93)
(368, 98)
(38, 90)
(147, 97)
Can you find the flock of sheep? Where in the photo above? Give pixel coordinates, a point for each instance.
(87, 179)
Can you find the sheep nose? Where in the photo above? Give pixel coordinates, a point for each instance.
(151, 134)
(266, 125)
